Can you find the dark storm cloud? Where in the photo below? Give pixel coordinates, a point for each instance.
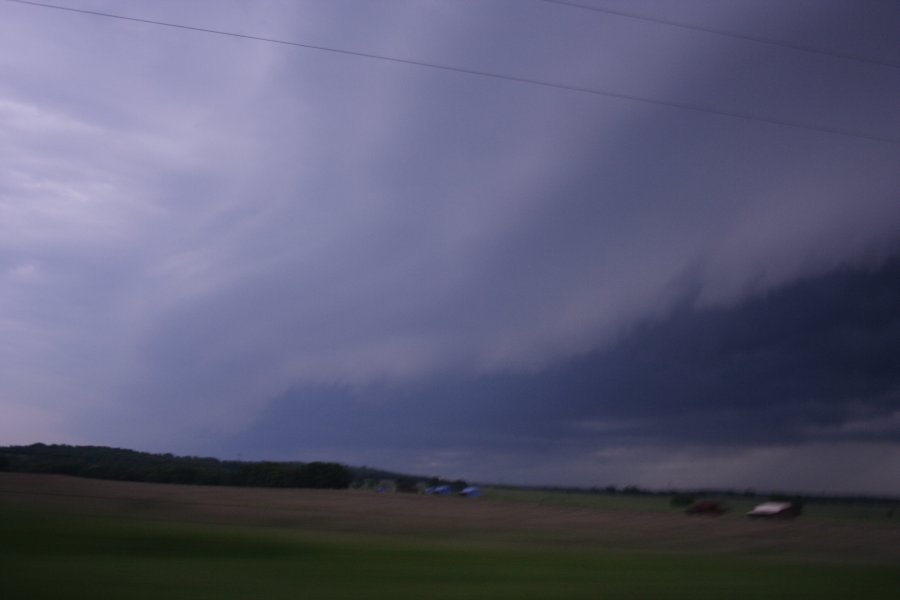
(201, 232)
(812, 363)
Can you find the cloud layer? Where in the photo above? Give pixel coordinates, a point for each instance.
(194, 227)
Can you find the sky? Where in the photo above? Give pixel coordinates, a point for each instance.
(671, 258)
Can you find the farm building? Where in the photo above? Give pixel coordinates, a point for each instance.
(775, 510)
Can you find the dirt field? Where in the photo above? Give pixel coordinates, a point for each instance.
(455, 519)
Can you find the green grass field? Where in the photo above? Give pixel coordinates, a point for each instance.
(71, 548)
(73, 556)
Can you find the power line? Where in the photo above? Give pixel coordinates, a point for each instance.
(488, 74)
(731, 34)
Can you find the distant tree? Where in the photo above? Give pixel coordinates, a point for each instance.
(4, 463)
(268, 474)
(407, 484)
(181, 474)
(324, 475)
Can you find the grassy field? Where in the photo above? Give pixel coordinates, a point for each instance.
(70, 538)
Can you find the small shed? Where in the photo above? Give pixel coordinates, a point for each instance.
(775, 510)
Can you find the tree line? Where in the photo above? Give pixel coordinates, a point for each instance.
(100, 462)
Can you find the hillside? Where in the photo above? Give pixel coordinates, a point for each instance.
(101, 462)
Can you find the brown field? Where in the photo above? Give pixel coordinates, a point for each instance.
(455, 519)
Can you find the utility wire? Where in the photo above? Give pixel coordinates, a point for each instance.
(740, 36)
(492, 75)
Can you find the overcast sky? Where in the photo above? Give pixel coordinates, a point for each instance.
(222, 246)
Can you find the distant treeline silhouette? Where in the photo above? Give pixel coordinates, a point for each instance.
(100, 462)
